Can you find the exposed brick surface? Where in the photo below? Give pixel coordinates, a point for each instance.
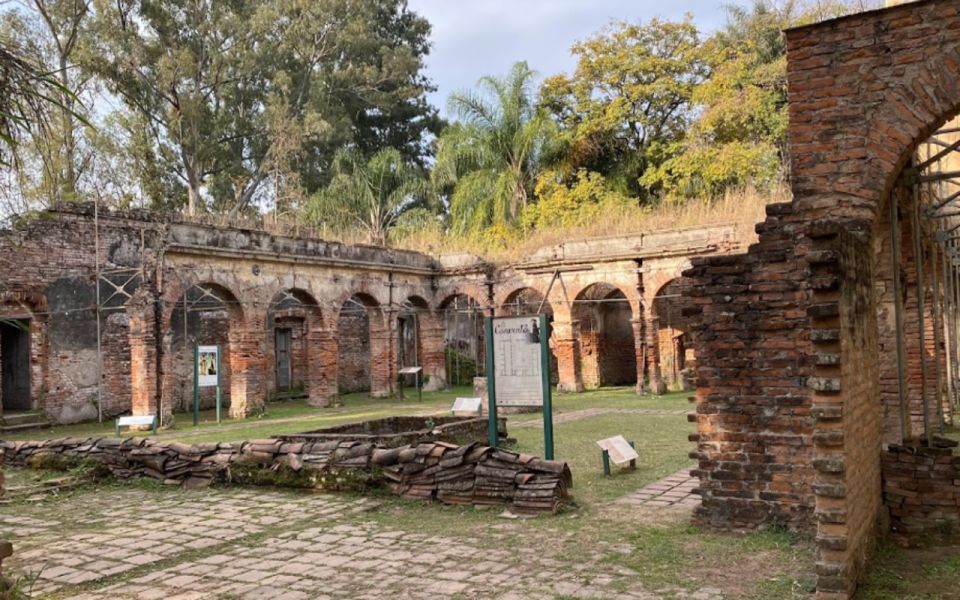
(921, 487)
(796, 348)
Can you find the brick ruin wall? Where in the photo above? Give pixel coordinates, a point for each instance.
(754, 355)
(208, 328)
(607, 348)
(150, 263)
(48, 278)
(796, 366)
(354, 360)
(921, 487)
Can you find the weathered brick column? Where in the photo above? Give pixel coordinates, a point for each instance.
(652, 333)
(432, 357)
(751, 334)
(383, 357)
(567, 349)
(590, 350)
(143, 356)
(846, 410)
(640, 348)
(247, 370)
(322, 351)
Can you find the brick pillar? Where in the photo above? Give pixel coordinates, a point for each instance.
(567, 349)
(383, 357)
(431, 349)
(652, 326)
(247, 370)
(640, 349)
(322, 354)
(144, 396)
(847, 427)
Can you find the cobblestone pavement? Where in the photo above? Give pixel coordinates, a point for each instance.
(586, 413)
(675, 490)
(243, 543)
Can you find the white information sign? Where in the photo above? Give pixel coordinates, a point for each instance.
(518, 375)
(619, 449)
(470, 406)
(207, 364)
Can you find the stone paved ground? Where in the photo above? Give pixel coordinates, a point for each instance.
(229, 543)
(675, 490)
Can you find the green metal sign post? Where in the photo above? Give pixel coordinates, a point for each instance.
(196, 385)
(493, 431)
(547, 404)
(219, 387)
(547, 393)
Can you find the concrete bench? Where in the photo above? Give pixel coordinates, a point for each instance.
(137, 421)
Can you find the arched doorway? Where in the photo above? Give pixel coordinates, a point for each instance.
(463, 339)
(672, 336)
(364, 361)
(292, 315)
(412, 311)
(603, 318)
(205, 314)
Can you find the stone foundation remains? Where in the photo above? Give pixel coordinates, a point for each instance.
(432, 471)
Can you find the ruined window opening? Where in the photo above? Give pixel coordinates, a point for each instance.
(15, 365)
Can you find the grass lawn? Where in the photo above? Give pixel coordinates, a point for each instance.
(913, 574)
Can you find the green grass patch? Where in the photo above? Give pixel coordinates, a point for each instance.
(913, 574)
(661, 442)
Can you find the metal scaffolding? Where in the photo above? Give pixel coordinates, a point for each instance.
(931, 184)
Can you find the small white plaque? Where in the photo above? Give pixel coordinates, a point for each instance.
(467, 405)
(207, 365)
(410, 370)
(619, 449)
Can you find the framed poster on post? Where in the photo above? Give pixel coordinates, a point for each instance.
(518, 370)
(206, 373)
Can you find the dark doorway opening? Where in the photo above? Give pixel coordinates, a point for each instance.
(284, 363)
(15, 365)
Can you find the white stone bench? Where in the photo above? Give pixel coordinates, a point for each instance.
(137, 421)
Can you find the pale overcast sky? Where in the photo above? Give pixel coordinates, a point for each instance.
(473, 38)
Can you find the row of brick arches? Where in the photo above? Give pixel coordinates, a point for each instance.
(304, 317)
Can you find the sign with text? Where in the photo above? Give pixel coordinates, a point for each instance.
(517, 360)
(518, 371)
(207, 366)
(619, 449)
(471, 406)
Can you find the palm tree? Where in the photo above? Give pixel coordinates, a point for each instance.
(368, 194)
(490, 155)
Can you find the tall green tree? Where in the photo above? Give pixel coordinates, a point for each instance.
(491, 155)
(369, 195)
(628, 98)
(57, 156)
(739, 136)
(214, 89)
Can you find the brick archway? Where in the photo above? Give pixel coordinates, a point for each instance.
(788, 405)
(604, 321)
(300, 347)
